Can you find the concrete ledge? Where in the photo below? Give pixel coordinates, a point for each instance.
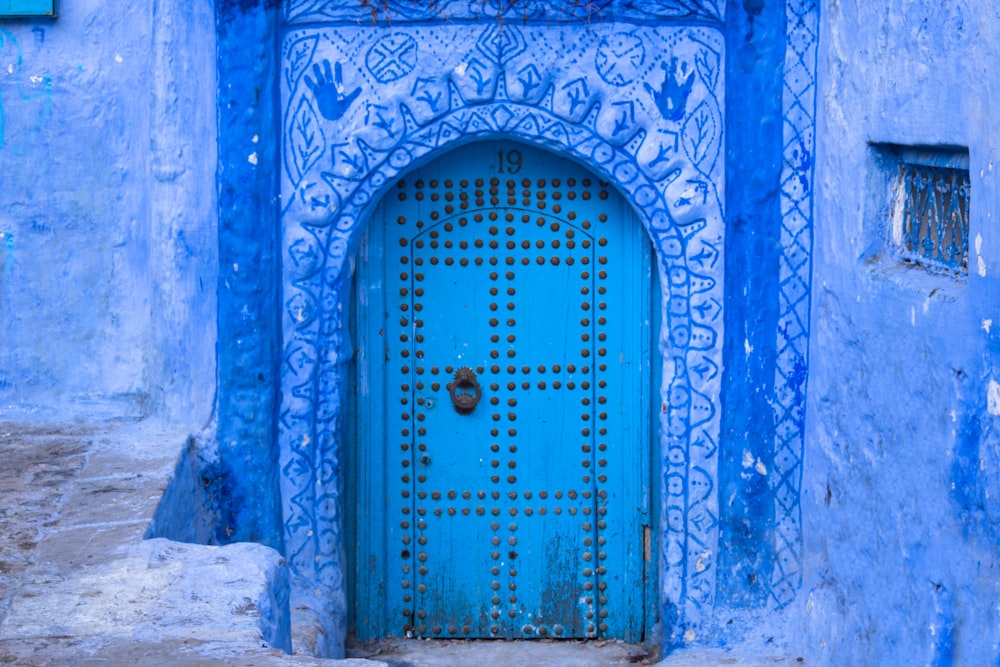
(159, 590)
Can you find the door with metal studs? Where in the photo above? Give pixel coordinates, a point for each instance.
(503, 332)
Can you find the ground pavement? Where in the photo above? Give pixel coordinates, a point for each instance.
(80, 586)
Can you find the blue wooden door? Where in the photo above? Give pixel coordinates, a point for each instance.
(504, 335)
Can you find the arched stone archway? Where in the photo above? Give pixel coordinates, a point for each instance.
(326, 281)
(574, 112)
(652, 127)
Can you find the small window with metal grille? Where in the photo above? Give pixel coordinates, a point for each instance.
(929, 209)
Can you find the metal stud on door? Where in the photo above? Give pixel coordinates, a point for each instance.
(516, 300)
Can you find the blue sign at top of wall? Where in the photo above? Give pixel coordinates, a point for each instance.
(10, 8)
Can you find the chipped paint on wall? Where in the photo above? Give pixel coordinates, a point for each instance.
(76, 125)
(993, 397)
(900, 483)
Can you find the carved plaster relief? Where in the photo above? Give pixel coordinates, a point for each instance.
(642, 107)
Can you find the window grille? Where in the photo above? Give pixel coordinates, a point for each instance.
(931, 215)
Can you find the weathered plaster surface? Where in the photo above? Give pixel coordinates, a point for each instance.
(232, 592)
(107, 208)
(242, 483)
(901, 477)
(768, 267)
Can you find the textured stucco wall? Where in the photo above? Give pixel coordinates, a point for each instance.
(107, 209)
(109, 271)
(242, 485)
(901, 475)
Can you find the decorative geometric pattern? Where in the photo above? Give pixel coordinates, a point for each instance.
(795, 287)
(619, 57)
(538, 84)
(392, 57)
(389, 12)
(652, 125)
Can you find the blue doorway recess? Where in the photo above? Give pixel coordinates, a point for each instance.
(500, 478)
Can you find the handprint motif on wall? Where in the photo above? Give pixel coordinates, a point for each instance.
(671, 98)
(328, 88)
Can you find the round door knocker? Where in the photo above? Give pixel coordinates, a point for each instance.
(465, 390)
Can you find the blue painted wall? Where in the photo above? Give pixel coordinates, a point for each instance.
(107, 211)
(126, 169)
(756, 48)
(139, 167)
(900, 496)
(242, 483)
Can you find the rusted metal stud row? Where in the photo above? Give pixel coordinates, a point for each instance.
(494, 201)
(601, 398)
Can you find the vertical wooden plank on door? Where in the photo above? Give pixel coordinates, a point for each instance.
(622, 308)
(368, 455)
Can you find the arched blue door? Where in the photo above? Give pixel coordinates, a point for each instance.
(503, 383)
